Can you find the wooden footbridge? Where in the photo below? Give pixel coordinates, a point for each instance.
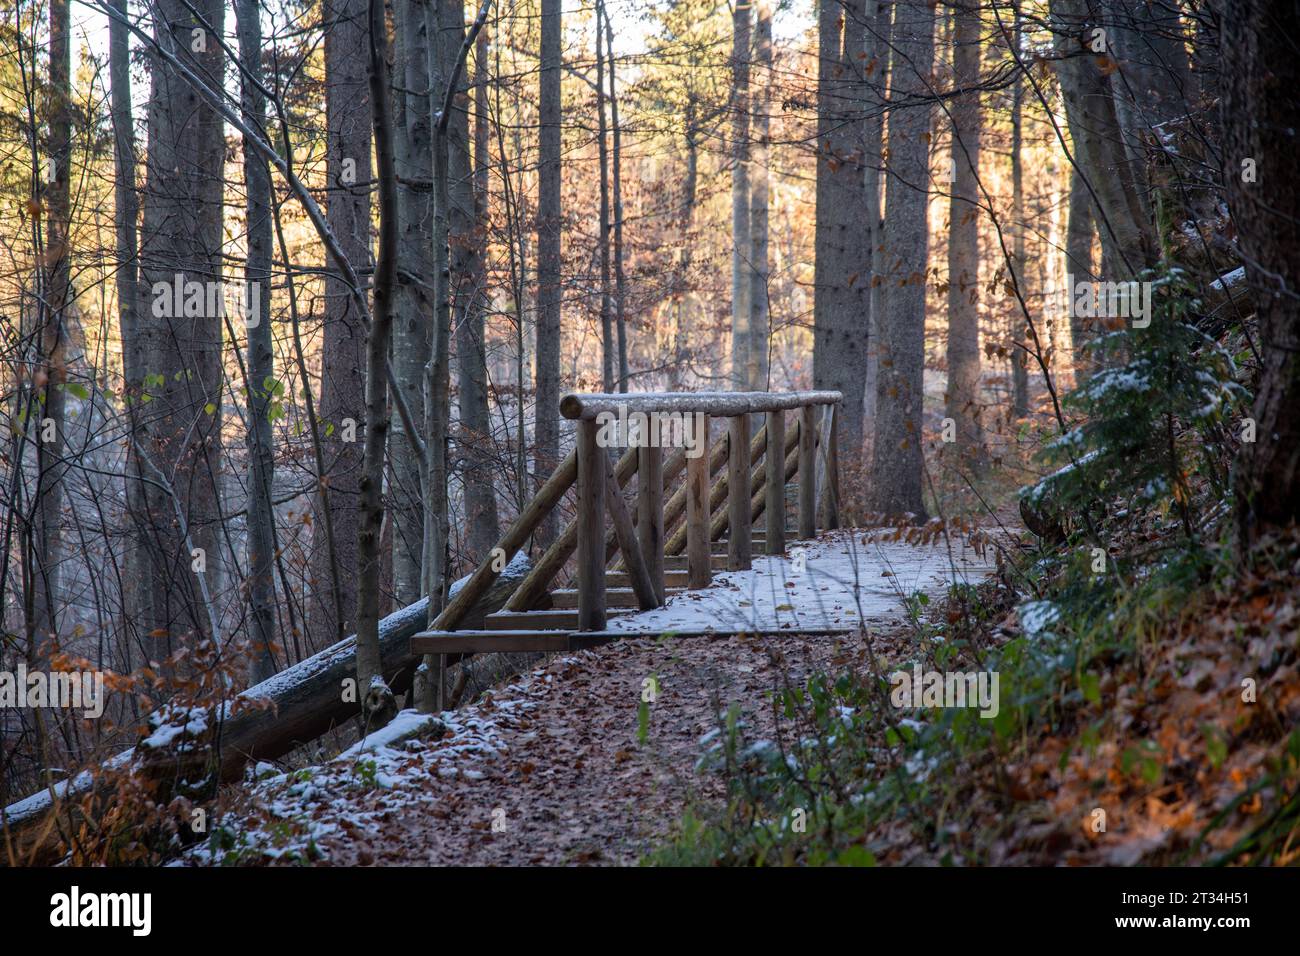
(695, 513)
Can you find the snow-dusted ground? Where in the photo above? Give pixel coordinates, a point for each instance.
(830, 584)
(553, 768)
(286, 815)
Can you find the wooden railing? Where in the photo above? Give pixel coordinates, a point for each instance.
(752, 484)
(597, 492)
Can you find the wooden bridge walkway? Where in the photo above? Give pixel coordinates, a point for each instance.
(695, 514)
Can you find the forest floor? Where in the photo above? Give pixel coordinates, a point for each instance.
(570, 764)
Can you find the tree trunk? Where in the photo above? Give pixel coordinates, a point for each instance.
(1078, 267)
(55, 320)
(875, 77)
(964, 403)
(741, 253)
(759, 319)
(333, 559)
(607, 345)
(126, 208)
(1019, 333)
(896, 487)
(1127, 236)
(261, 355)
(181, 367)
(620, 278)
(378, 705)
(413, 146)
(1258, 111)
(842, 267)
(682, 287)
(549, 223)
(471, 357)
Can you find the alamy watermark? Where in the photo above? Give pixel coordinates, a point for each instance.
(182, 298)
(76, 690)
(1109, 300)
(133, 911)
(943, 689)
(626, 429)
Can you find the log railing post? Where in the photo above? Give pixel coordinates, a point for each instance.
(831, 485)
(807, 472)
(775, 464)
(626, 539)
(591, 529)
(650, 512)
(699, 573)
(740, 536)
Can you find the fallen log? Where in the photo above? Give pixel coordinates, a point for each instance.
(302, 703)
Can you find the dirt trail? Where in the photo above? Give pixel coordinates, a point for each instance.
(553, 769)
(575, 786)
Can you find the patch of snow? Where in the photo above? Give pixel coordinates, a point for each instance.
(835, 584)
(1038, 616)
(1229, 279)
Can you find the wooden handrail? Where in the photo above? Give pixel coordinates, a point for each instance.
(753, 482)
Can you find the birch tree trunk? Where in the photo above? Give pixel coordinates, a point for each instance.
(896, 486)
(333, 561)
(963, 400)
(261, 356)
